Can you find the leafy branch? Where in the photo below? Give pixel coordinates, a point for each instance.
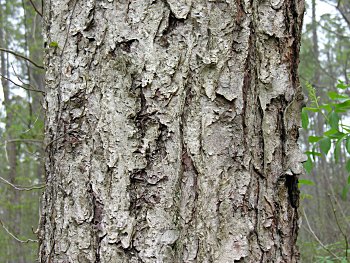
(338, 134)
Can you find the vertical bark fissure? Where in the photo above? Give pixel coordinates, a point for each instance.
(247, 82)
(188, 167)
(97, 221)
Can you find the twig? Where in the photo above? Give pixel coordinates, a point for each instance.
(35, 154)
(36, 10)
(329, 30)
(329, 3)
(31, 126)
(22, 188)
(21, 56)
(339, 227)
(317, 239)
(336, 200)
(25, 140)
(60, 137)
(16, 238)
(19, 78)
(20, 86)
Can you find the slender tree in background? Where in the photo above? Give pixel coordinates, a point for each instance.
(11, 147)
(21, 131)
(171, 131)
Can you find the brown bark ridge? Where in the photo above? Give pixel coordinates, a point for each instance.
(171, 131)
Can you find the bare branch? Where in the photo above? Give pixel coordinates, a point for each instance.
(340, 228)
(22, 188)
(315, 236)
(23, 83)
(21, 56)
(16, 238)
(20, 86)
(329, 30)
(329, 3)
(36, 10)
(25, 140)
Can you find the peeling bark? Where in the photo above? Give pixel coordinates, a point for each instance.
(171, 131)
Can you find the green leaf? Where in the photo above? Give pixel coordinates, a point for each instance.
(334, 120)
(305, 182)
(337, 135)
(312, 109)
(336, 96)
(345, 105)
(53, 44)
(337, 148)
(313, 153)
(348, 144)
(347, 166)
(308, 165)
(304, 119)
(330, 132)
(313, 139)
(349, 180)
(341, 85)
(325, 145)
(345, 192)
(327, 107)
(305, 196)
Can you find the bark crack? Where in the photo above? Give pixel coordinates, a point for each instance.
(247, 83)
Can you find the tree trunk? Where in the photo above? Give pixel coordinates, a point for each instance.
(171, 131)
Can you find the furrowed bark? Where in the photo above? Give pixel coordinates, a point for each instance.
(172, 131)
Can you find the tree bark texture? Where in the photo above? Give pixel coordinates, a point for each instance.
(171, 131)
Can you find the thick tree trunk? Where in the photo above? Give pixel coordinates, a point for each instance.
(171, 131)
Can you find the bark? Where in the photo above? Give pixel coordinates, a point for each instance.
(171, 131)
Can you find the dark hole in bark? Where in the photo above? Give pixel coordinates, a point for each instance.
(173, 22)
(126, 45)
(291, 183)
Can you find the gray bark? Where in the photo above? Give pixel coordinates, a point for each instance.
(171, 131)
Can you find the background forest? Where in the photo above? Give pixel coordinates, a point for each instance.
(325, 60)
